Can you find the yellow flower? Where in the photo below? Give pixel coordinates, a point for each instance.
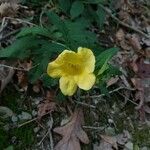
(73, 69)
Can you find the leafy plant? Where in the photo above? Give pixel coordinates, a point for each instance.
(41, 44)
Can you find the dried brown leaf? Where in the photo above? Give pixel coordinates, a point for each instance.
(47, 105)
(8, 9)
(120, 35)
(112, 81)
(110, 141)
(22, 80)
(72, 133)
(134, 41)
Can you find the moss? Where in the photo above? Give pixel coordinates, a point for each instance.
(10, 98)
(142, 136)
(25, 137)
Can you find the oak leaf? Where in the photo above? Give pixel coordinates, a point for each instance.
(72, 133)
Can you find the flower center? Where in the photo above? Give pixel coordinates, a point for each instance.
(72, 69)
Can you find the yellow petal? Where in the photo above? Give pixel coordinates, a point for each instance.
(67, 85)
(67, 57)
(86, 81)
(87, 58)
(54, 70)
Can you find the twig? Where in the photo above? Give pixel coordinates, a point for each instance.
(93, 128)
(25, 123)
(115, 90)
(3, 25)
(10, 67)
(9, 34)
(127, 98)
(20, 20)
(50, 133)
(43, 138)
(15, 68)
(34, 119)
(108, 11)
(85, 104)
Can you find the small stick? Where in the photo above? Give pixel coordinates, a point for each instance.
(14, 68)
(85, 104)
(50, 134)
(93, 128)
(108, 11)
(20, 20)
(43, 138)
(101, 95)
(34, 119)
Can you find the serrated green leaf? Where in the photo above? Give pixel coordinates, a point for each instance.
(36, 72)
(65, 5)
(42, 59)
(76, 9)
(101, 16)
(94, 1)
(20, 48)
(33, 31)
(55, 20)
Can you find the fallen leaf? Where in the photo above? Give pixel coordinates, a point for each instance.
(8, 9)
(22, 80)
(120, 35)
(72, 133)
(5, 112)
(112, 141)
(37, 87)
(123, 138)
(106, 143)
(112, 81)
(47, 105)
(134, 41)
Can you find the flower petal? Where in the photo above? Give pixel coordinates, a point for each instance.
(67, 85)
(54, 70)
(86, 81)
(87, 58)
(68, 57)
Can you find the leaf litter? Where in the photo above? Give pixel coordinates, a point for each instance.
(133, 56)
(72, 133)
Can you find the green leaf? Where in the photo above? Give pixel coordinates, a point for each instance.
(42, 59)
(34, 31)
(48, 81)
(55, 20)
(76, 9)
(20, 48)
(101, 16)
(79, 35)
(65, 5)
(9, 148)
(36, 72)
(104, 67)
(94, 1)
(105, 57)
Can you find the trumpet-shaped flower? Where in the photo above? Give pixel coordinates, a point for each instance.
(74, 70)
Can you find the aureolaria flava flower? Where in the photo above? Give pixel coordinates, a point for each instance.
(74, 70)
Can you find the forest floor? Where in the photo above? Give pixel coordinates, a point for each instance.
(114, 115)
